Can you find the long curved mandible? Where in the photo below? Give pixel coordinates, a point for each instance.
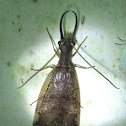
(75, 28)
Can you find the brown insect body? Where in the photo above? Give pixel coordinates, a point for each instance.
(59, 98)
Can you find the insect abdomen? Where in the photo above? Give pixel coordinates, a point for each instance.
(60, 105)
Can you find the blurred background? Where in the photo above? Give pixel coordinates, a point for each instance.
(25, 44)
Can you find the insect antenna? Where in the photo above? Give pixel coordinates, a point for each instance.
(35, 101)
(78, 48)
(36, 72)
(53, 44)
(93, 67)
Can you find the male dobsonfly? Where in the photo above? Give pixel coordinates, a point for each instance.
(59, 99)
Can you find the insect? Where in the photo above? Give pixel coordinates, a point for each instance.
(122, 63)
(59, 99)
(60, 103)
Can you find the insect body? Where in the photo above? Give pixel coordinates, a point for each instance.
(59, 99)
(59, 105)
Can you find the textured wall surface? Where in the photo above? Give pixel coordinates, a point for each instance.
(25, 44)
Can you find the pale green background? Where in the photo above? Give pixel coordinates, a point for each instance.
(24, 44)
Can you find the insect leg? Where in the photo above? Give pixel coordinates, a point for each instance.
(37, 72)
(94, 68)
(53, 44)
(35, 101)
(50, 66)
(79, 66)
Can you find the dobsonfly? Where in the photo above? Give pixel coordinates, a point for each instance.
(58, 103)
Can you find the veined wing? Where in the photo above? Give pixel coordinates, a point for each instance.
(59, 103)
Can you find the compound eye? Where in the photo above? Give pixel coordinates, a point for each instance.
(59, 43)
(72, 43)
